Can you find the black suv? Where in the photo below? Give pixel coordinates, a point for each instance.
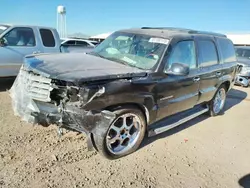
(136, 82)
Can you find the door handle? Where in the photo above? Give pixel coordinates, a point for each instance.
(218, 73)
(196, 79)
(36, 52)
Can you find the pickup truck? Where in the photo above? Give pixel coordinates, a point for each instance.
(17, 41)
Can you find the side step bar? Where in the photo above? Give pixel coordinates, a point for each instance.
(174, 121)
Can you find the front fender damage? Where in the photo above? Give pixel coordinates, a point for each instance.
(32, 107)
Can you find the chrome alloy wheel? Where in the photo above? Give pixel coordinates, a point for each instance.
(123, 133)
(219, 101)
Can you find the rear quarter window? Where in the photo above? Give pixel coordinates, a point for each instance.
(47, 38)
(227, 50)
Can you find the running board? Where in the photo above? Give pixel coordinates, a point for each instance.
(174, 121)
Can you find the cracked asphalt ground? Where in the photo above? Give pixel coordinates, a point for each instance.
(205, 152)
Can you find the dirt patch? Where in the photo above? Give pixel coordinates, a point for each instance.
(205, 152)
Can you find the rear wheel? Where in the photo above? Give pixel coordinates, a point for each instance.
(216, 105)
(124, 135)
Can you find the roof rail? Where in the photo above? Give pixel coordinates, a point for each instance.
(190, 31)
(207, 33)
(168, 28)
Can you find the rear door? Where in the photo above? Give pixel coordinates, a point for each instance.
(210, 69)
(228, 59)
(20, 41)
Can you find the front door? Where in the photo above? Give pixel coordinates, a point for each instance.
(19, 42)
(179, 93)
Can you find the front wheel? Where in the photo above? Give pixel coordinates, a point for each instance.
(216, 105)
(124, 135)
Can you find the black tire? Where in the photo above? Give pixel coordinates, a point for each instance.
(100, 139)
(211, 104)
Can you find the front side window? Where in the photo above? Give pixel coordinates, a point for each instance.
(207, 53)
(70, 43)
(183, 52)
(136, 50)
(82, 43)
(20, 36)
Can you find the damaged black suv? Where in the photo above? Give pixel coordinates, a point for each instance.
(136, 82)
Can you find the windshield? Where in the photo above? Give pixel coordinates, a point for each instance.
(3, 28)
(243, 52)
(135, 50)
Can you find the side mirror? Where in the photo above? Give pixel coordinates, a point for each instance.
(178, 69)
(2, 43)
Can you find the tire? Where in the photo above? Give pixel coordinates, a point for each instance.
(118, 134)
(216, 107)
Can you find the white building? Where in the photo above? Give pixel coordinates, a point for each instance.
(240, 39)
(100, 37)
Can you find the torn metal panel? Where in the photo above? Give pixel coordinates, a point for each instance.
(33, 101)
(242, 81)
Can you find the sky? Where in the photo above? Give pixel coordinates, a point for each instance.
(99, 16)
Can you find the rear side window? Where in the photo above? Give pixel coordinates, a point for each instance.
(47, 38)
(227, 50)
(207, 53)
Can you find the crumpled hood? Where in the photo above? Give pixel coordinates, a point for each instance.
(79, 67)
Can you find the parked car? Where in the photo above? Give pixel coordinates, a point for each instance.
(243, 56)
(77, 45)
(17, 41)
(152, 81)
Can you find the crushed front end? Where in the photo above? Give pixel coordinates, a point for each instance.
(41, 100)
(243, 75)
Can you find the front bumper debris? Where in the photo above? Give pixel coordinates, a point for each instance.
(242, 81)
(31, 101)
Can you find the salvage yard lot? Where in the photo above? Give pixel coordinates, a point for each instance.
(205, 152)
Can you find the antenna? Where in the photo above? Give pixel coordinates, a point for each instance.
(61, 21)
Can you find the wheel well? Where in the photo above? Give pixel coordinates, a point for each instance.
(226, 84)
(142, 108)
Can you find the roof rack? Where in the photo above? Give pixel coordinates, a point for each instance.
(190, 31)
(168, 28)
(207, 33)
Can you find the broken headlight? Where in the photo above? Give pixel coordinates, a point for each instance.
(84, 94)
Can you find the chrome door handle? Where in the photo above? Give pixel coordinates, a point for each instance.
(196, 79)
(36, 52)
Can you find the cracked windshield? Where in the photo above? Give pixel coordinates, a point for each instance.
(135, 50)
